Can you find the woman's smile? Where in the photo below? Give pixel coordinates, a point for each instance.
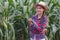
(39, 10)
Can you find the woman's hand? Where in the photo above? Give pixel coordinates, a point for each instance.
(44, 31)
(30, 21)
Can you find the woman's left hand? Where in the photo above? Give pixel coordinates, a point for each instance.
(44, 31)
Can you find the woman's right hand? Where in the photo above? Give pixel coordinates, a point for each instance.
(30, 20)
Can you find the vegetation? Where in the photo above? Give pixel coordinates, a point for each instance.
(14, 15)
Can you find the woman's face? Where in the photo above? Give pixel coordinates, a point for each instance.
(39, 10)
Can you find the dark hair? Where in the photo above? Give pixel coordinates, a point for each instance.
(42, 16)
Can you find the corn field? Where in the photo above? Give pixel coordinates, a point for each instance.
(15, 13)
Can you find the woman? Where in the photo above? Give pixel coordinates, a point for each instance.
(37, 23)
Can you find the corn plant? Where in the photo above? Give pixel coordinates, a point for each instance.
(15, 13)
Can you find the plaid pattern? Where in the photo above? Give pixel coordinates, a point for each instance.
(36, 36)
(37, 31)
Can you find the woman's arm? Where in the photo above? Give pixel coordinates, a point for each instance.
(43, 26)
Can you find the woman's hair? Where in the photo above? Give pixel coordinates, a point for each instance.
(43, 12)
(42, 16)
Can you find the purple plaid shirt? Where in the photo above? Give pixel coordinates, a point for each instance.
(41, 24)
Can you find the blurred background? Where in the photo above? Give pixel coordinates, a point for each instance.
(14, 15)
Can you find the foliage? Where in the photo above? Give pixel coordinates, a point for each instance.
(14, 15)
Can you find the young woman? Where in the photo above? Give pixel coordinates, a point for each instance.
(37, 23)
